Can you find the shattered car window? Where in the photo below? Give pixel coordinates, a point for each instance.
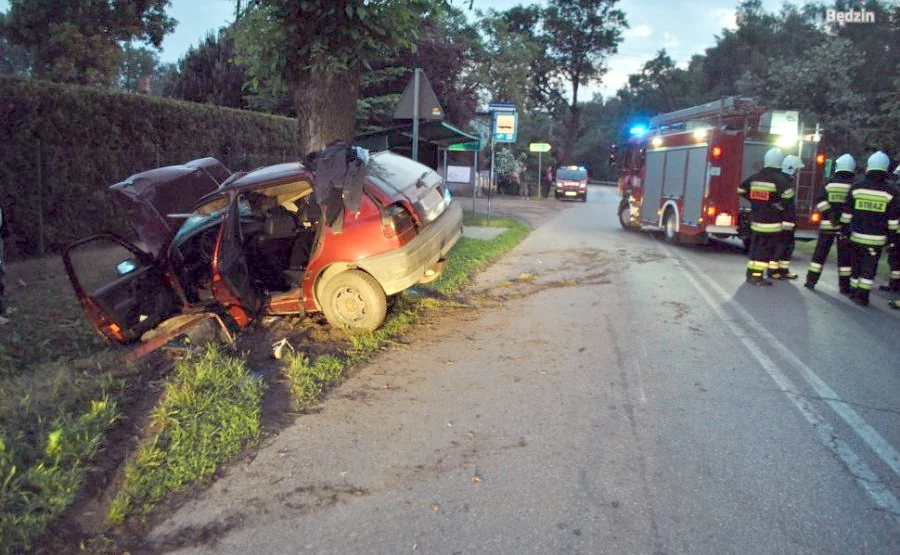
(205, 214)
(400, 173)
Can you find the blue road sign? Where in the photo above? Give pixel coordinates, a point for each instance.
(501, 107)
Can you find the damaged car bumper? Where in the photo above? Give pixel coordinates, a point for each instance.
(420, 260)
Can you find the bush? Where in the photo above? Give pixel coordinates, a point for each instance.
(62, 145)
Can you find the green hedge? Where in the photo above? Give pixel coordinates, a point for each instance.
(62, 145)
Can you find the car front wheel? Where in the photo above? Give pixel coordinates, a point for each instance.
(354, 300)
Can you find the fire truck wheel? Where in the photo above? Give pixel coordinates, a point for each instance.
(669, 225)
(625, 217)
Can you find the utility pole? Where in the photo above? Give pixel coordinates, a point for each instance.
(415, 118)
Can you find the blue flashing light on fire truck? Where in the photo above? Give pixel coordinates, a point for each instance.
(682, 175)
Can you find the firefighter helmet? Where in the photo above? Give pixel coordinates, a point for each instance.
(878, 162)
(845, 163)
(773, 158)
(791, 164)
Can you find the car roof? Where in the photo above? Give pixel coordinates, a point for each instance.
(270, 175)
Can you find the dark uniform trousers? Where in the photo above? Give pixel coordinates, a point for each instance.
(823, 246)
(863, 267)
(761, 253)
(784, 250)
(894, 263)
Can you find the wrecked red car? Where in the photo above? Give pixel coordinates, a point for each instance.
(336, 236)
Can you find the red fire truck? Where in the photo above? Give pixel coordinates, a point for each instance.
(681, 172)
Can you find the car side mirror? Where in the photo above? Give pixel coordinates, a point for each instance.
(126, 266)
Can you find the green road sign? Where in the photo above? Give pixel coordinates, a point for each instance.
(474, 145)
(539, 147)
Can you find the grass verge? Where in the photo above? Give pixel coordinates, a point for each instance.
(210, 411)
(43, 462)
(308, 379)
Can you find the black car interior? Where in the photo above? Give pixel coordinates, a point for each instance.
(279, 233)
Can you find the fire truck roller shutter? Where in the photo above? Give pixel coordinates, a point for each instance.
(694, 185)
(653, 181)
(673, 182)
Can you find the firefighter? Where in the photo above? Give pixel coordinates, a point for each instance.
(763, 190)
(831, 207)
(871, 220)
(894, 251)
(784, 246)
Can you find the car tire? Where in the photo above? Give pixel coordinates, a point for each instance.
(669, 227)
(584, 198)
(354, 300)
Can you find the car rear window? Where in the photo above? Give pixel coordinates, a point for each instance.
(571, 175)
(398, 173)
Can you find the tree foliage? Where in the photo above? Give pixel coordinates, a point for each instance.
(448, 50)
(316, 50)
(842, 77)
(515, 59)
(580, 35)
(137, 63)
(81, 41)
(208, 73)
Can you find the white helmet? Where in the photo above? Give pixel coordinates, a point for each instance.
(845, 163)
(878, 162)
(773, 158)
(791, 164)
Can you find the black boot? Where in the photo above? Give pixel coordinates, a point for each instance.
(812, 279)
(844, 285)
(861, 297)
(758, 281)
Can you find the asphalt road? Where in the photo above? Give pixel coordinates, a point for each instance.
(604, 393)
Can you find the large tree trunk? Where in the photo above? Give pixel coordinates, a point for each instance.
(326, 108)
(573, 126)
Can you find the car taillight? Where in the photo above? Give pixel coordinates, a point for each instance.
(710, 211)
(395, 221)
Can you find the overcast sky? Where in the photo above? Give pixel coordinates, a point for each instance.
(682, 27)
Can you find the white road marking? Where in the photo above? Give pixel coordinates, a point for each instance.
(873, 439)
(863, 475)
(640, 372)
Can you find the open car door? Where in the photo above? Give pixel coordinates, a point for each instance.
(232, 284)
(122, 291)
